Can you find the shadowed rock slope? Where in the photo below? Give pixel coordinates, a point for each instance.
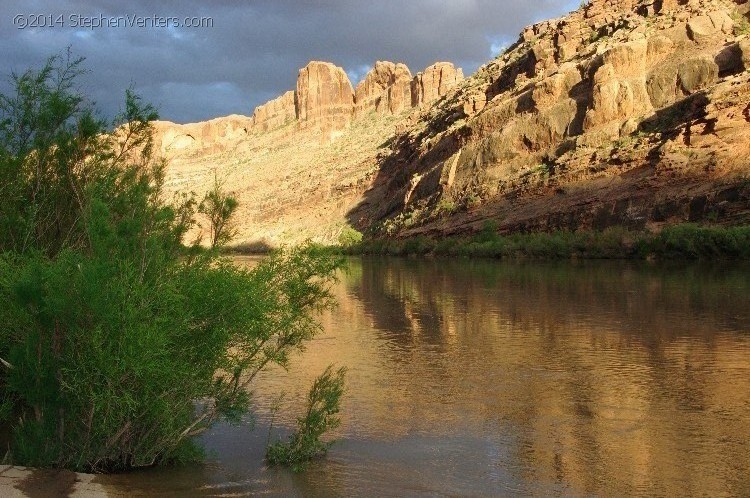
(633, 113)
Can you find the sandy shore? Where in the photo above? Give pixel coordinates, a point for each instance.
(27, 482)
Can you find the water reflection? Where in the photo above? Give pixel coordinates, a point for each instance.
(484, 378)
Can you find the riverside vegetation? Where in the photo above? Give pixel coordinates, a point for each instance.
(118, 343)
(685, 241)
(321, 415)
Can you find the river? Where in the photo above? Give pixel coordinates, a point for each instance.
(485, 378)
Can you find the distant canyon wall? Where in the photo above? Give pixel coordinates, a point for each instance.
(324, 100)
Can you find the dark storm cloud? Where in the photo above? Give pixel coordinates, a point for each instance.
(254, 49)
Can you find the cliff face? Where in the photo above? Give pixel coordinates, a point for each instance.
(622, 113)
(323, 100)
(324, 97)
(276, 113)
(386, 89)
(434, 82)
(625, 112)
(197, 139)
(302, 161)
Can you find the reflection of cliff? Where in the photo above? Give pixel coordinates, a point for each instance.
(612, 379)
(623, 297)
(603, 379)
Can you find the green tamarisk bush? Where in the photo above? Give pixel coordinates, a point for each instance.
(321, 416)
(119, 344)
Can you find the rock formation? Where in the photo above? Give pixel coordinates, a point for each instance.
(612, 90)
(399, 93)
(386, 89)
(744, 47)
(624, 112)
(276, 113)
(200, 138)
(324, 98)
(434, 82)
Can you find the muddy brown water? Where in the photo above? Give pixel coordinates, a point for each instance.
(482, 378)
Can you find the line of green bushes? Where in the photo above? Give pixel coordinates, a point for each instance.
(685, 241)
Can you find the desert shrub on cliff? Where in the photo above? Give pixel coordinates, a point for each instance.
(741, 24)
(118, 344)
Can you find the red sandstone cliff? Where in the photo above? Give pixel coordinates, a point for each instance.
(632, 113)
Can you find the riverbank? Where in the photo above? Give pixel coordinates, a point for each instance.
(19, 482)
(687, 242)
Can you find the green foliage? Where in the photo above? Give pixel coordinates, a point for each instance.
(678, 242)
(321, 415)
(741, 24)
(489, 231)
(696, 242)
(416, 245)
(349, 237)
(53, 151)
(108, 359)
(218, 208)
(445, 207)
(117, 345)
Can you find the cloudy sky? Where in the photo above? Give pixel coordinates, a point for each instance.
(255, 47)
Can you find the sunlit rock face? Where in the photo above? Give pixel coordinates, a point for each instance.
(634, 108)
(623, 113)
(434, 82)
(386, 89)
(275, 113)
(324, 98)
(200, 138)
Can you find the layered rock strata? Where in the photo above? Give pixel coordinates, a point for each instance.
(275, 113)
(632, 113)
(648, 98)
